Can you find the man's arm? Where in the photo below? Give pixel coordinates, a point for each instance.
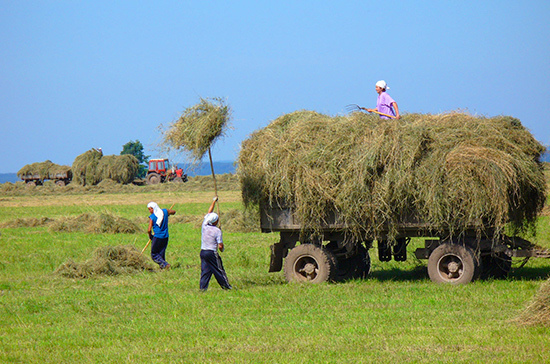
(213, 204)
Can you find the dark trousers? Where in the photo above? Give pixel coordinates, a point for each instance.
(211, 263)
(158, 251)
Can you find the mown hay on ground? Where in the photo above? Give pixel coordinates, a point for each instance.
(44, 170)
(109, 260)
(98, 223)
(198, 127)
(451, 171)
(538, 311)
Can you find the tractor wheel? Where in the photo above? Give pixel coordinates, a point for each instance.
(309, 263)
(153, 179)
(496, 266)
(454, 264)
(177, 180)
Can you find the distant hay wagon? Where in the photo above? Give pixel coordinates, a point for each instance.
(332, 187)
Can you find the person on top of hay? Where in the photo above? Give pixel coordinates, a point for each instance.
(211, 241)
(385, 104)
(158, 223)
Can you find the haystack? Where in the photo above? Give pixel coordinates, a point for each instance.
(198, 127)
(451, 171)
(109, 260)
(119, 168)
(44, 170)
(85, 168)
(92, 167)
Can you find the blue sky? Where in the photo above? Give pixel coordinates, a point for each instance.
(81, 74)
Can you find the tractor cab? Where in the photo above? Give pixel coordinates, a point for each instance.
(161, 171)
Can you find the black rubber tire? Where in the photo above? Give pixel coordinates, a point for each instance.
(177, 180)
(453, 264)
(153, 179)
(496, 266)
(309, 263)
(356, 267)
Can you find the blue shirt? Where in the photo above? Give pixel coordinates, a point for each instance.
(161, 231)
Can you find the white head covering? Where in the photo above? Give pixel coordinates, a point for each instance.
(157, 211)
(382, 84)
(211, 218)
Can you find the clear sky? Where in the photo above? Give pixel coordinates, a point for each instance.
(81, 74)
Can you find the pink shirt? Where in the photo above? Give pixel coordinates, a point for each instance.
(383, 104)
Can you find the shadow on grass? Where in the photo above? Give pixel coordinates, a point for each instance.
(530, 274)
(395, 274)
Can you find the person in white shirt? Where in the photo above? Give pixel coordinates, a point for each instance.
(211, 242)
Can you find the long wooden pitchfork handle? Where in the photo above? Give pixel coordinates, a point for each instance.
(380, 113)
(215, 187)
(149, 242)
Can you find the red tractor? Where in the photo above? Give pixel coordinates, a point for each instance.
(160, 171)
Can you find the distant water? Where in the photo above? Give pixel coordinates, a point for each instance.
(202, 169)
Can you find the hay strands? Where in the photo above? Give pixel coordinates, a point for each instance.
(149, 242)
(355, 107)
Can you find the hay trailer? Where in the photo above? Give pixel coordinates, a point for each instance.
(333, 256)
(59, 178)
(161, 171)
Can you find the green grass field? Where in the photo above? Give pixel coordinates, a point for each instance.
(395, 315)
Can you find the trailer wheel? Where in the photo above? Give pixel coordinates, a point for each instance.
(60, 183)
(309, 263)
(31, 184)
(153, 179)
(356, 267)
(496, 266)
(453, 263)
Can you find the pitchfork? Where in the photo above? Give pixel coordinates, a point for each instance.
(355, 107)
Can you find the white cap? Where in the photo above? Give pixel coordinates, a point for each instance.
(211, 218)
(382, 84)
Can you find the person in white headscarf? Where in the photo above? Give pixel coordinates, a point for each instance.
(211, 242)
(385, 104)
(158, 224)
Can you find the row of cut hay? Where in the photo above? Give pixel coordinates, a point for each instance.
(451, 171)
(92, 167)
(198, 127)
(98, 223)
(109, 260)
(44, 170)
(537, 312)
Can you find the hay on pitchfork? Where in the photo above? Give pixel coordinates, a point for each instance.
(198, 128)
(109, 260)
(450, 170)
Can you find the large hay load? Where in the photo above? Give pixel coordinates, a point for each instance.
(454, 176)
(37, 173)
(92, 167)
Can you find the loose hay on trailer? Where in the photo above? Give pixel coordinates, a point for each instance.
(350, 180)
